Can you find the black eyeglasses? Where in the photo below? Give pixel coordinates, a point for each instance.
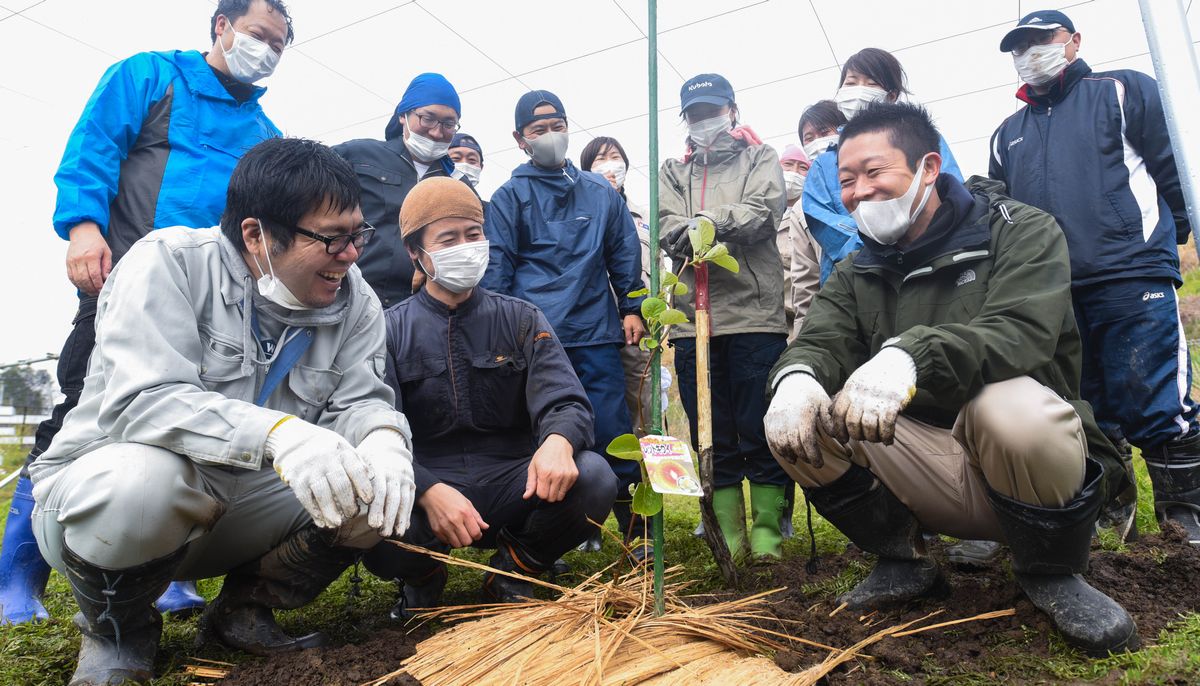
(337, 244)
(428, 121)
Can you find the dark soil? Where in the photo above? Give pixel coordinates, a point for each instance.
(1153, 581)
(347, 665)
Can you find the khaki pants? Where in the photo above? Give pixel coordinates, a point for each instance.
(1016, 436)
(126, 504)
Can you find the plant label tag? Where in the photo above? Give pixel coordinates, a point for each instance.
(670, 467)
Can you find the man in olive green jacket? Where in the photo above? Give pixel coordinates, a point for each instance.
(950, 343)
(730, 178)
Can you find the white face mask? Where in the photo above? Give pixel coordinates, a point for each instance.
(853, 99)
(706, 131)
(548, 150)
(819, 145)
(470, 171)
(886, 221)
(422, 148)
(461, 268)
(248, 58)
(614, 167)
(1041, 64)
(794, 182)
(269, 286)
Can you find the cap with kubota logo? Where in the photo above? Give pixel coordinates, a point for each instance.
(712, 89)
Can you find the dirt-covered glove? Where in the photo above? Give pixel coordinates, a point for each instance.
(389, 456)
(328, 477)
(677, 243)
(874, 395)
(798, 407)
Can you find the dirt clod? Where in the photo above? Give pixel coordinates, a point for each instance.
(347, 665)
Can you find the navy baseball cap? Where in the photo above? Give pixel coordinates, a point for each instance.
(1042, 20)
(466, 140)
(713, 89)
(531, 101)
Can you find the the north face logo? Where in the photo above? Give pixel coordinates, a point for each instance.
(965, 278)
(700, 84)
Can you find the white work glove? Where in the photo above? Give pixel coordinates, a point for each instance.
(322, 469)
(387, 452)
(799, 405)
(874, 395)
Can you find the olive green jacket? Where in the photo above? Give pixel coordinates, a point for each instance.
(740, 188)
(985, 299)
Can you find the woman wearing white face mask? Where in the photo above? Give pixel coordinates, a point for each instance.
(730, 178)
(870, 75)
(418, 138)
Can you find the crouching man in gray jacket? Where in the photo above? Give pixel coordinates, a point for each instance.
(234, 420)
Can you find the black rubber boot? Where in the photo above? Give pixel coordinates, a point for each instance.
(789, 509)
(871, 516)
(511, 556)
(1120, 513)
(117, 618)
(1175, 472)
(418, 594)
(1050, 549)
(290, 576)
(635, 533)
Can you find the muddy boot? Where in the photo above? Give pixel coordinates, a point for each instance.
(1049, 552)
(418, 594)
(23, 572)
(1120, 513)
(973, 553)
(591, 544)
(635, 534)
(1175, 472)
(871, 516)
(789, 510)
(510, 556)
(288, 577)
(180, 600)
(729, 505)
(766, 510)
(117, 619)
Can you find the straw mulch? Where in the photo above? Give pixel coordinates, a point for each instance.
(605, 632)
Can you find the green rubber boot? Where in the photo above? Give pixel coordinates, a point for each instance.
(766, 507)
(730, 507)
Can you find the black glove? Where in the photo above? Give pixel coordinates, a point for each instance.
(677, 243)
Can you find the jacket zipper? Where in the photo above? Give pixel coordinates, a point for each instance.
(450, 359)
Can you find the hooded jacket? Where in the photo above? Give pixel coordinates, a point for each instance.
(564, 240)
(740, 188)
(176, 365)
(983, 296)
(1094, 153)
(386, 174)
(154, 147)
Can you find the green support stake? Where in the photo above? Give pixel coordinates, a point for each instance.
(656, 408)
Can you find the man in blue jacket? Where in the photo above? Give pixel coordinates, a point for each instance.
(564, 240)
(1103, 166)
(154, 147)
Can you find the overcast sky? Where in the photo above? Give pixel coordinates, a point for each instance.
(353, 58)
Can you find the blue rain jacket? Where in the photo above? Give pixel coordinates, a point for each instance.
(564, 240)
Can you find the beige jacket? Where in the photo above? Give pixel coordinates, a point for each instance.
(802, 262)
(740, 188)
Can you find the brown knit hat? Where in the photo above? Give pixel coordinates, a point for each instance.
(436, 198)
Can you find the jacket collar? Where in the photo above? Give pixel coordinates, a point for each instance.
(439, 308)
(560, 182)
(723, 149)
(960, 224)
(200, 78)
(1059, 90)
